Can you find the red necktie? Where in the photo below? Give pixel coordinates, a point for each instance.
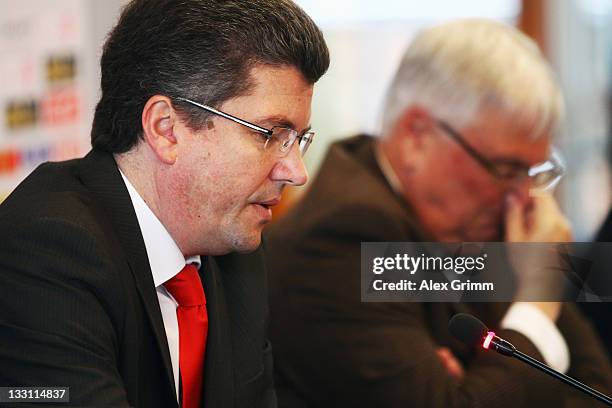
(186, 288)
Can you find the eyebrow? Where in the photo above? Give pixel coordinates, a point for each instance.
(280, 121)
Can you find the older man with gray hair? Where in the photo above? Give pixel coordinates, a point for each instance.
(466, 141)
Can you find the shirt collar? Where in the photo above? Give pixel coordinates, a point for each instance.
(387, 170)
(165, 257)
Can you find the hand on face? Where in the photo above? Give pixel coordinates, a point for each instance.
(535, 219)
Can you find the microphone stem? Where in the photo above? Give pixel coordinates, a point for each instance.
(566, 379)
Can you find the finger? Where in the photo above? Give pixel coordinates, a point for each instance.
(546, 203)
(514, 219)
(545, 211)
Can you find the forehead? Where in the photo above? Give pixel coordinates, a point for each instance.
(277, 94)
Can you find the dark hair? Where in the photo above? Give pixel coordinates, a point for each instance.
(197, 49)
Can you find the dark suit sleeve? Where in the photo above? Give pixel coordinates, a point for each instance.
(588, 362)
(55, 325)
(334, 350)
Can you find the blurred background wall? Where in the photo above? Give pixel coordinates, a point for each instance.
(49, 78)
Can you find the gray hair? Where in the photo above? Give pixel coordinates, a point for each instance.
(455, 69)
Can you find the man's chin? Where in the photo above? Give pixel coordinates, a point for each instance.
(247, 250)
(247, 243)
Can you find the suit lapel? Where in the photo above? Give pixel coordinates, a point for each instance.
(218, 375)
(100, 174)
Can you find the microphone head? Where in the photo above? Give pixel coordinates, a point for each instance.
(468, 329)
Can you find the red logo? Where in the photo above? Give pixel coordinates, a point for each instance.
(60, 107)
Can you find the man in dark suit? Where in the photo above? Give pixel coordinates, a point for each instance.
(467, 121)
(599, 313)
(129, 275)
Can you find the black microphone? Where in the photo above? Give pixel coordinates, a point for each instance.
(473, 332)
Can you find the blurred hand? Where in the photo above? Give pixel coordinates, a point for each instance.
(537, 219)
(450, 362)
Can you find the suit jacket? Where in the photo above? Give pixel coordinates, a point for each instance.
(332, 350)
(599, 313)
(78, 306)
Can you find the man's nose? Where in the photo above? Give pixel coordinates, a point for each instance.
(291, 168)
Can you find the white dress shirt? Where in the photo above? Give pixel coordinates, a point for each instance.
(166, 260)
(524, 318)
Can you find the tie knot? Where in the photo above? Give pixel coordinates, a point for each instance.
(186, 287)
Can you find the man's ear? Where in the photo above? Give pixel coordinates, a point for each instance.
(158, 120)
(415, 123)
(413, 130)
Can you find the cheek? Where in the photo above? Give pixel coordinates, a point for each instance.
(468, 177)
(236, 182)
(467, 187)
(459, 177)
(482, 191)
(224, 174)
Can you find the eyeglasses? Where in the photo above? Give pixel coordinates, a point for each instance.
(542, 176)
(279, 139)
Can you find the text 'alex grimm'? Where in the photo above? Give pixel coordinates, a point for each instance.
(431, 286)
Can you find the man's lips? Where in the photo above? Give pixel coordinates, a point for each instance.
(264, 207)
(268, 203)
